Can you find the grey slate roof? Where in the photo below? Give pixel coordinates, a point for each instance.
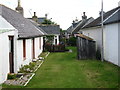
(70, 29)
(82, 24)
(51, 29)
(25, 28)
(41, 19)
(37, 25)
(114, 18)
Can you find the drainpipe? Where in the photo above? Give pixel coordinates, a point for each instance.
(15, 50)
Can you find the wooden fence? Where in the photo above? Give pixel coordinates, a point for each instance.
(86, 47)
(54, 48)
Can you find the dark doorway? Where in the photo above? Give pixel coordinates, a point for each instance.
(33, 48)
(11, 53)
(55, 41)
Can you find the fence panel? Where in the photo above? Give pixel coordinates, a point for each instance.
(86, 49)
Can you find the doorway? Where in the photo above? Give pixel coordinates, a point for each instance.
(11, 53)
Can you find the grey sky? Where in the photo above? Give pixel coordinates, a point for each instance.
(62, 12)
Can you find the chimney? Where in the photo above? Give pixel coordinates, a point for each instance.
(35, 17)
(46, 15)
(19, 8)
(84, 16)
(73, 23)
(34, 13)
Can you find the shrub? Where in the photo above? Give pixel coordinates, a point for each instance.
(98, 55)
(28, 68)
(55, 48)
(12, 76)
(72, 41)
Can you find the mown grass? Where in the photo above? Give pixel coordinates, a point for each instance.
(63, 70)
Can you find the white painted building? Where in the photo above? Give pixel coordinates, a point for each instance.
(6, 30)
(110, 34)
(111, 43)
(20, 42)
(52, 30)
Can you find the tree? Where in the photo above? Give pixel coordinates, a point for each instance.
(48, 22)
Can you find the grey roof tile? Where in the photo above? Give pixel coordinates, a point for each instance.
(25, 28)
(70, 29)
(41, 19)
(82, 24)
(37, 25)
(113, 19)
(51, 29)
(97, 22)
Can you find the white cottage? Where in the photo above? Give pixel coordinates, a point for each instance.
(6, 31)
(53, 30)
(110, 31)
(48, 29)
(20, 41)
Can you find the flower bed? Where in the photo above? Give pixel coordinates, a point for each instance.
(31, 67)
(26, 72)
(21, 81)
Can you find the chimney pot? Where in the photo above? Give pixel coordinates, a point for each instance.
(34, 13)
(84, 16)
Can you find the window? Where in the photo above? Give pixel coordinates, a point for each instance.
(24, 49)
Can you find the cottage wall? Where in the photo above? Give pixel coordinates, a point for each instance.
(110, 40)
(111, 43)
(4, 56)
(56, 37)
(6, 29)
(29, 51)
(94, 33)
(38, 49)
(20, 60)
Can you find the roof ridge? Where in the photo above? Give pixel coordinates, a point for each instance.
(106, 16)
(111, 15)
(9, 8)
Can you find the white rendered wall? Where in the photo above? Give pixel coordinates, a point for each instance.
(4, 56)
(8, 30)
(94, 33)
(4, 24)
(38, 49)
(20, 60)
(111, 43)
(29, 51)
(56, 37)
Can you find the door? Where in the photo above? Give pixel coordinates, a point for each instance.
(33, 48)
(11, 53)
(55, 41)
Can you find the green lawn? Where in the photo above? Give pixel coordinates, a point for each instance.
(63, 70)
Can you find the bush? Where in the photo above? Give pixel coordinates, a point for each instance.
(55, 48)
(12, 76)
(28, 68)
(98, 55)
(72, 41)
